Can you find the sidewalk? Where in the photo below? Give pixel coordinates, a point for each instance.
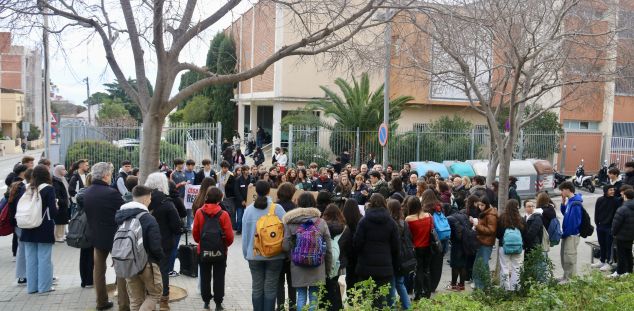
(37, 153)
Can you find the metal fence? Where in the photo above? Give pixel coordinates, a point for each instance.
(321, 145)
(116, 143)
(621, 151)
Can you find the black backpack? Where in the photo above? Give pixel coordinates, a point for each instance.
(468, 236)
(212, 246)
(585, 229)
(407, 258)
(77, 228)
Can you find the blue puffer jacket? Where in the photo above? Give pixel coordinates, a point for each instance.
(572, 216)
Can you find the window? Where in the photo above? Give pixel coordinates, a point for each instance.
(626, 24)
(581, 125)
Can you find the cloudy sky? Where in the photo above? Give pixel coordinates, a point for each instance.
(73, 57)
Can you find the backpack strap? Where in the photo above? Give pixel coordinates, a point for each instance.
(272, 209)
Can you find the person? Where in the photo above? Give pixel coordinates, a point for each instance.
(22, 176)
(378, 185)
(323, 199)
(629, 173)
(534, 232)
(420, 224)
(265, 271)
(205, 171)
(352, 215)
(398, 282)
(77, 181)
(303, 181)
(343, 189)
(445, 194)
(623, 231)
(430, 199)
(86, 255)
(285, 194)
(323, 182)
(207, 213)
(258, 156)
(306, 280)
(345, 157)
(241, 189)
(545, 204)
(101, 203)
(236, 140)
(282, 160)
(226, 181)
(411, 187)
(478, 187)
(571, 208)
(340, 236)
(376, 243)
(238, 158)
(124, 171)
(130, 182)
(513, 189)
(26, 160)
(510, 264)
(371, 162)
(259, 137)
(60, 184)
(604, 211)
(207, 183)
(143, 290)
(486, 230)
(170, 226)
(179, 178)
(359, 190)
(396, 190)
(459, 223)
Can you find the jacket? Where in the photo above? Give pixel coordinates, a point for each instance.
(623, 223)
(45, 233)
(460, 195)
(258, 157)
(176, 199)
(376, 243)
(101, 203)
(605, 208)
(305, 276)
(572, 216)
(478, 191)
(13, 205)
(487, 226)
(336, 229)
(75, 184)
(411, 189)
(63, 213)
(149, 226)
(358, 195)
(287, 205)
(224, 220)
(457, 222)
(164, 211)
(534, 230)
(548, 214)
(241, 188)
(249, 221)
(229, 187)
(326, 184)
(120, 184)
(200, 175)
(629, 179)
(380, 187)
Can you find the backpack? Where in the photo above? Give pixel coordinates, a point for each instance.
(407, 258)
(128, 252)
(585, 229)
(336, 252)
(469, 237)
(441, 224)
(512, 241)
(77, 228)
(6, 227)
(310, 245)
(28, 214)
(554, 232)
(212, 246)
(269, 234)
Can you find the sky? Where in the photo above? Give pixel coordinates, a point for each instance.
(73, 58)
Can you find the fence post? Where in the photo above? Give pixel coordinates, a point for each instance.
(417, 146)
(218, 143)
(290, 145)
(357, 157)
(472, 149)
(562, 165)
(521, 149)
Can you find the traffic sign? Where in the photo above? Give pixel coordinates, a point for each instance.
(383, 133)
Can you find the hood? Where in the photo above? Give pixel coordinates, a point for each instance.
(537, 213)
(300, 215)
(629, 204)
(618, 178)
(128, 211)
(335, 228)
(157, 199)
(211, 209)
(476, 188)
(377, 215)
(577, 197)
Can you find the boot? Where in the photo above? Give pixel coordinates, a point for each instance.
(165, 303)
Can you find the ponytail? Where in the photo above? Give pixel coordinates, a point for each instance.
(262, 188)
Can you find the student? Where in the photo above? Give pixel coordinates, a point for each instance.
(376, 243)
(534, 232)
(205, 171)
(420, 224)
(179, 178)
(323, 182)
(26, 160)
(285, 194)
(206, 234)
(459, 223)
(124, 171)
(38, 241)
(340, 235)
(130, 183)
(604, 210)
(378, 185)
(359, 190)
(623, 231)
(22, 176)
(510, 223)
(545, 204)
(486, 230)
(143, 290)
(571, 208)
(86, 255)
(60, 184)
(398, 283)
(265, 271)
(352, 216)
(305, 279)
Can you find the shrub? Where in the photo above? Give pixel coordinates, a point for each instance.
(311, 153)
(96, 151)
(537, 268)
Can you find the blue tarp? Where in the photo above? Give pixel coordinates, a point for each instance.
(462, 169)
(422, 167)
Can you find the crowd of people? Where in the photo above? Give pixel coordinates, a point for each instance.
(368, 222)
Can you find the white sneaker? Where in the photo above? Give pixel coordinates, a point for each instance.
(597, 265)
(605, 267)
(472, 285)
(614, 275)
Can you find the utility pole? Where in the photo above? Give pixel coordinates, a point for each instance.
(386, 87)
(47, 90)
(88, 99)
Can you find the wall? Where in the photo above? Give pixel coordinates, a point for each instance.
(429, 113)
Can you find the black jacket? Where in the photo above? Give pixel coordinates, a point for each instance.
(101, 203)
(629, 179)
(287, 205)
(534, 231)
(327, 184)
(458, 222)
(548, 214)
(241, 187)
(45, 233)
(63, 214)
(149, 226)
(623, 223)
(358, 195)
(72, 184)
(376, 243)
(176, 199)
(163, 210)
(19, 191)
(198, 178)
(258, 157)
(229, 186)
(604, 210)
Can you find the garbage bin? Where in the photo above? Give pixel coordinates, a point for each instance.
(523, 170)
(545, 175)
(422, 167)
(459, 168)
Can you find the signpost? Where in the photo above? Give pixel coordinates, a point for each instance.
(383, 134)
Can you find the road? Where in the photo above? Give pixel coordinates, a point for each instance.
(8, 162)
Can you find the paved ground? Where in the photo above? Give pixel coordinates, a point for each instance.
(70, 296)
(7, 162)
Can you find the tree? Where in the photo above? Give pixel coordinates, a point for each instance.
(197, 110)
(509, 54)
(222, 55)
(112, 109)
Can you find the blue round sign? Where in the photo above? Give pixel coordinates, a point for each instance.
(383, 134)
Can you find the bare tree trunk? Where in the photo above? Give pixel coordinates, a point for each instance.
(150, 144)
(494, 160)
(506, 155)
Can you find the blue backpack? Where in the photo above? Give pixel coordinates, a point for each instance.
(513, 243)
(554, 232)
(441, 224)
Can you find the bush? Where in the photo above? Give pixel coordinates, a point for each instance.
(311, 153)
(97, 151)
(537, 268)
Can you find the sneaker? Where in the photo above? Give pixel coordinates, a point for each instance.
(453, 288)
(597, 265)
(22, 282)
(13, 260)
(219, 307)
(606, 267)
(461, 287)
(206, 306)
(472, 285)
(614, 275)
(173, 274)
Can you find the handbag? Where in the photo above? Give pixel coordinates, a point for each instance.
(435, 243)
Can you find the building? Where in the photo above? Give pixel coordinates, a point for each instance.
(21, 70)
(11, 112)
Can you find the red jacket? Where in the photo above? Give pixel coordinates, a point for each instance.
(212, 210)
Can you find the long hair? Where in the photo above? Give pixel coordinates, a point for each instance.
(414, 207)
(394, 206)
(421, 186)
(306, 199)
(202, 193)
(41, 175)
(472, 200)
(332, 213)
(429, 197)
(351, 213)
(511, 217)
(289, 178)
(377, 201)
(543, 199)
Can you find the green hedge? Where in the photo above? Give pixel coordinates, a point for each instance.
(103, 151)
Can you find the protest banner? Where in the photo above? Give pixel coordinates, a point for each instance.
(191, 192)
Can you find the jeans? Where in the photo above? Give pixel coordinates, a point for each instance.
(264, 277)
(484, 253)
(510, 266)
(605, 242)
(215, 271)
(398, 286)
(239, 214)
(86, 264)
(39, 267)
(569, 246)
(20, 258)
(624, 256)
(307, 294)
(173, 253)
(164, 268)
(144, 289)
